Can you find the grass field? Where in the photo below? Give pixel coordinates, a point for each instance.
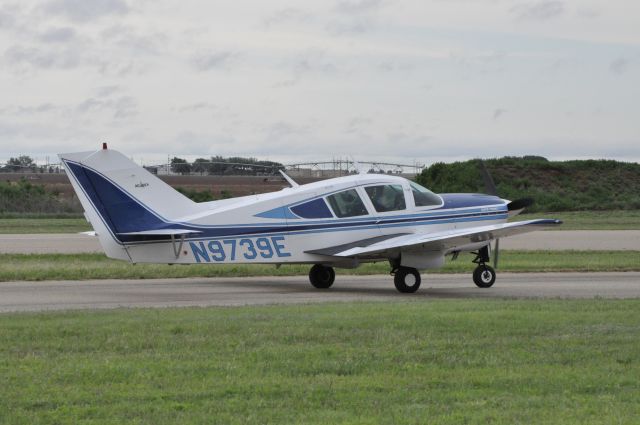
(578, 220)
(444, 362)
(591, 220)
(97, 266)
(43, 225)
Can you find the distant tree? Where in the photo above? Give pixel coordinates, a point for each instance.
(23, 162)
(179, 165)
(200, 165)
(217, 165)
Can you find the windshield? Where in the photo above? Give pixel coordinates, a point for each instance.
(423, 197)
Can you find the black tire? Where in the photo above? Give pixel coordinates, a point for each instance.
(322, 277)
(484, 276)
(407, 280)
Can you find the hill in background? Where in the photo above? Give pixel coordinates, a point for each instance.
(555, 185)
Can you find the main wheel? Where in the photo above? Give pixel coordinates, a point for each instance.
(484, 276)
(322, 277)
(407, 280)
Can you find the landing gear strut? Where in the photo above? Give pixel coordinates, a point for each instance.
(484, 275)
(322, 277)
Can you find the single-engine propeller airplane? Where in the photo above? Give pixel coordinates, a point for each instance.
(340, 222)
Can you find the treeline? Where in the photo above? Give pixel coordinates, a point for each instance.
(23, 197)
(217, 165)
(554, 185)
(26, 164)
(204, 195)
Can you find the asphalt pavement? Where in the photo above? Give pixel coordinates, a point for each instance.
(204, 292)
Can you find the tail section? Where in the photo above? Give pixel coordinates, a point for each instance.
(119, 197)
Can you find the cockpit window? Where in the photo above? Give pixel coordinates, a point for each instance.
(347, 204)
(423, 197)
(385, 198)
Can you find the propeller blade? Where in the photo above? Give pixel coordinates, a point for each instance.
(496, 250)
(519, 204)
(489, 185)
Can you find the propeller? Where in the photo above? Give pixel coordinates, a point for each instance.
(519, 204)
(491, 189)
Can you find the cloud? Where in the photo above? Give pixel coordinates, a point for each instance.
(312, 61)
(121, 107)
(285, 16)
(128, 38)
(29, 110)
(58, 35)
(86, 10)
(106, 91)
(497, 113)
(202, 144)
(281, 130)
(357, 124)
(41, 58)
(538, 10)
(198, 106)
(619, 66)
(354, 17)
(7, 17)
(216, 60)
(588, 13)
(358, 7)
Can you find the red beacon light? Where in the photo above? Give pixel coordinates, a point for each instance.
(104, 145)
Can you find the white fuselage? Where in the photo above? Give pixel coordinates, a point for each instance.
(239, 231)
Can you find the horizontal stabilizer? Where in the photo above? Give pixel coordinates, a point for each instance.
(161, 232)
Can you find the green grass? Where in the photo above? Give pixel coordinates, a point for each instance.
(97, 266)
(442, 362)
(591, 220)
(43, 225)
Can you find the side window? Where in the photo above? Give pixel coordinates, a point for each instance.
(312, 209)
(385, 198)
(423, 197)
(347, 204)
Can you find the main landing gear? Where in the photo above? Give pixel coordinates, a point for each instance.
(322, 277)
(406, 279)
(484, 275)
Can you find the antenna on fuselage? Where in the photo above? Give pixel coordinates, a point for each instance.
(289, 179)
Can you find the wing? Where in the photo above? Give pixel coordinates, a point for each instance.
(447, 241)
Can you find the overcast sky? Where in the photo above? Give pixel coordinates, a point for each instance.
(401, 80)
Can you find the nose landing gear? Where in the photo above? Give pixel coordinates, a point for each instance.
(484, 275)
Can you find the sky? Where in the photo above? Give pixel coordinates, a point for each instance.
(376, 80)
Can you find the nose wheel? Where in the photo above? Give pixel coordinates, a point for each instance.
(484, 276)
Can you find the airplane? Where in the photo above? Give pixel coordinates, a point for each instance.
(335, 223)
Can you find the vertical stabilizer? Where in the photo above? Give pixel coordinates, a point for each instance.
(119, 197)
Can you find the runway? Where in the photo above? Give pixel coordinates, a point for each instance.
(204, 292)
(606, 240)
